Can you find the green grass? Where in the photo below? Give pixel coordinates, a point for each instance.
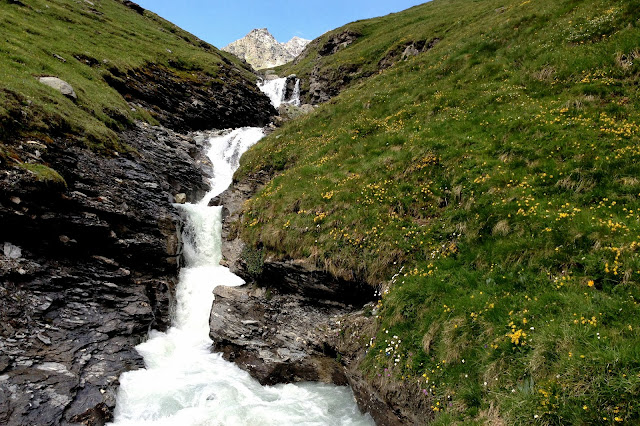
(93, 39)
(496, 177)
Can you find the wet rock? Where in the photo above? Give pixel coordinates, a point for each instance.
(290, 87)
(233, 199)
(60, 85)
(285, 338)
(180, 198)
(298, 277)
(277, 338)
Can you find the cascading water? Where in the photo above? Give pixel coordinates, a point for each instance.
(183, 382)
(295, 98)
(276, 89)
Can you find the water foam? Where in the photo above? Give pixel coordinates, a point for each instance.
(276, 89)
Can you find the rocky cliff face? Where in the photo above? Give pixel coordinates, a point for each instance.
(88, 266)
(324, 84)
(261, 50)
(199, 103)
(90, 239)
(90, 244)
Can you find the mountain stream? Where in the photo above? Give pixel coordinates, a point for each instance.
(184, 383)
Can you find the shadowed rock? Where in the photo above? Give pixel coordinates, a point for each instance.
(96, 270)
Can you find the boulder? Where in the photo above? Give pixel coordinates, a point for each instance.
(180, 198)
(60, 85)
(135, 6)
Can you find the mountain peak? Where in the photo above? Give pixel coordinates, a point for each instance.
(259, 32)
(261, 49)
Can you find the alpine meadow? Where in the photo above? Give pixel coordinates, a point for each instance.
(479, 168)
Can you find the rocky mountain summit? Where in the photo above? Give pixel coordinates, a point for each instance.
(261, 50)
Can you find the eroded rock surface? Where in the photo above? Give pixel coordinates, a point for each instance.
(283, 338)
(199, 103)
(276, 337)
(98, 256)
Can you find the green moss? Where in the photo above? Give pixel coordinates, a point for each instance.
(254, 260)
(44, 174)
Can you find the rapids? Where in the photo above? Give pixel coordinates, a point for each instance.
(183, 382)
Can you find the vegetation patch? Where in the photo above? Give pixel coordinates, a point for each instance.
(44, 174)
(254, 260)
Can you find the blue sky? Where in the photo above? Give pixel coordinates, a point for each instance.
(221, 22)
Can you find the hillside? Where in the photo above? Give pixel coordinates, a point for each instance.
(478, 165)
(261, 50)
(113, 56)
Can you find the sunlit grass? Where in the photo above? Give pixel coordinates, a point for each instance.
(82, 42)
(495, 177)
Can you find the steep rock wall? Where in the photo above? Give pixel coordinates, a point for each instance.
(95, 270)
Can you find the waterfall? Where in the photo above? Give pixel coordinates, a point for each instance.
(183, 382)
(276, 89)
(295, 98)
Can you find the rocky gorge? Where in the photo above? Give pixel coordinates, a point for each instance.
(91, 252)
(96, 269)
(92, 247)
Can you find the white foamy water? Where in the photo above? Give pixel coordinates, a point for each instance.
(184, 383)
(276, 90)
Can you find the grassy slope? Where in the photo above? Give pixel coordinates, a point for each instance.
(496, 177)
(106, 31)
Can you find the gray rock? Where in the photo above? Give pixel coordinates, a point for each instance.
(180, 198)
(11, 251)
(60, 85)
(261, 50)
(291, 351)
(288, 112)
